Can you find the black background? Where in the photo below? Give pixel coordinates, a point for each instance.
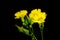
(8, 8)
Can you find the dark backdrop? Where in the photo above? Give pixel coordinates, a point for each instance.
(8, 8)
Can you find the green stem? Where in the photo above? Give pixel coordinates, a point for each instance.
(41, 26)
(32, 32)
(42, 34)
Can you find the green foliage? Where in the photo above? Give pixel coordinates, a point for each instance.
(25, 23)
(23, 30)
(29, 20)
(22, 19)
(19, 28)
(26, 31)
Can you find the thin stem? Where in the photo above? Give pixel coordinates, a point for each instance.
(42, 30)
(42, 34)
(41, 26)
(32, 32)
(33, 36)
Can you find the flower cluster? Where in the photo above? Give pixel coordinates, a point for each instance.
(36, 15)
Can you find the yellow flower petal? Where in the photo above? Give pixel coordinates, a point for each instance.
(20, 14)
(37, 16)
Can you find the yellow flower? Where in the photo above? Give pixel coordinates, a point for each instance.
(37, 16)
(20, 14)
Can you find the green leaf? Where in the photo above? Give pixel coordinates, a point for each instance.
(23, 30)
(29, 20)
(25, 22)
(19, 28)
(26, 31)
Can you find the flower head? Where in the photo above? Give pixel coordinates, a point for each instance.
(37, 16)
(20, 14)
